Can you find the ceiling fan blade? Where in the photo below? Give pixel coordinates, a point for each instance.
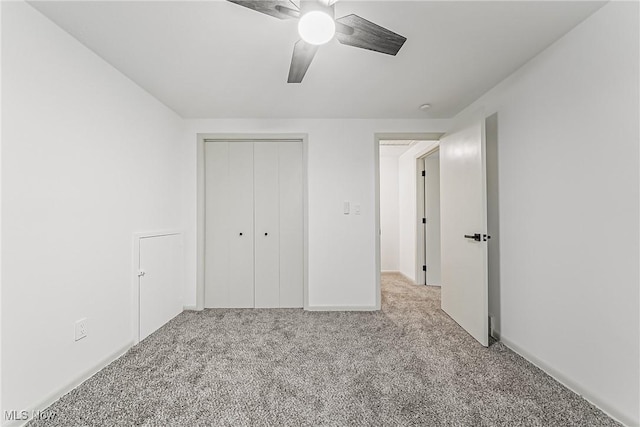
(281, 9)
(303, 54)
(367, 35)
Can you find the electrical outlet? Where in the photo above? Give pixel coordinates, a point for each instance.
(81, 328)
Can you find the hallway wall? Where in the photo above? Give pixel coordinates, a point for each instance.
(389, 205)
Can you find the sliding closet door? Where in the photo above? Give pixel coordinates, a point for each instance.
(267, 213)
(217, 220)
(240, 231)
(291, 224)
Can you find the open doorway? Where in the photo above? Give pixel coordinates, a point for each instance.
(398, 205)
(467, 168)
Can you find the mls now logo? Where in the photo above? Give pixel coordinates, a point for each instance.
(16, 415)
(24, 415)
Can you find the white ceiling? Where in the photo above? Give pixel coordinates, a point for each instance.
(215, 59)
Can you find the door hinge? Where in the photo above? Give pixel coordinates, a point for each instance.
(424, 268)
(424, 173)
(424, 220)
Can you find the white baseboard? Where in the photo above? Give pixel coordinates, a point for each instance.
(407, 277)
(190, 308)
(389, 271)
(342, 308)
(495, 334)
(569, 383)
(53, 397)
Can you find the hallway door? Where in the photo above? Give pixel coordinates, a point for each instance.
(432, 218)
(464, 229)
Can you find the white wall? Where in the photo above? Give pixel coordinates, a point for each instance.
(1, 97)
(408, 213)
(88, 158)
(568, 132)
(341, 167)
(389, 204)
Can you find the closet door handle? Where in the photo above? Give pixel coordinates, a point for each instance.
(266, 234)
(241, 234)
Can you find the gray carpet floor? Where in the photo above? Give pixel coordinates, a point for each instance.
(406, 365)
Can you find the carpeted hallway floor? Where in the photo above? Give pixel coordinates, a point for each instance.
(408, 365)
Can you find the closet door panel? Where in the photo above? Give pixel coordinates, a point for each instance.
(240, 225)
(267, 212)
(291, 224)
(216, 220)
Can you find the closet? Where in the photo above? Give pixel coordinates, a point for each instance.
(253, 224)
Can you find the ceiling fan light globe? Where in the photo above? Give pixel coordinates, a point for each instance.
(316, 27)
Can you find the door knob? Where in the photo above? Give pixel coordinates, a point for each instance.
(241, 234)
(266, 234)
(475, 237)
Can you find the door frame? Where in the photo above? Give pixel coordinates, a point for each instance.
(202, 138)
(135, 278)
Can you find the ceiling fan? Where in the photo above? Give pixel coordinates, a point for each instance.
(317, 25)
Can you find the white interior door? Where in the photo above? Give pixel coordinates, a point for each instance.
(240, 231)
(291, 225)
(229, 224)
(217, 224)
(426, 262)
(160, 281)
(421, 226)
(254, 241)
(267, 212)
(432, 209)
(463, 229)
